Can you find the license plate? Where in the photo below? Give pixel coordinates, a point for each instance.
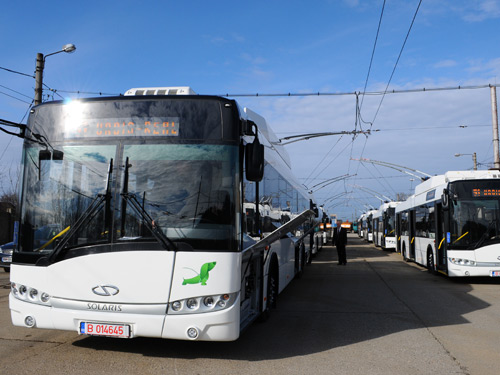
(104, 329)
(495, 273)
(7, 259)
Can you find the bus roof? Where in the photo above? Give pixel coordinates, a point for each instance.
(451, 176)
(177, 90)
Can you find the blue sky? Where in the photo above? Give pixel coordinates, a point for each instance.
(280, 47)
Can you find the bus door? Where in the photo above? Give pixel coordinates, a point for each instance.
(412, 239)
(440, 238)
(398, 233)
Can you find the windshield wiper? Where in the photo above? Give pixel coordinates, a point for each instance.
(89, 213)
(485, 235)
(147, 219)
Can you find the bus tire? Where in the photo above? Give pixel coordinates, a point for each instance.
(309, 256)
(403, 253)
(300, 260)
(272, 289)
(430, 261)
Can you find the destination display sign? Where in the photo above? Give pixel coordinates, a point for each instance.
(124, 127)
(479, 192)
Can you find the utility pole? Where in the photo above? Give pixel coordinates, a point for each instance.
(40, 65)
(39, 78)
(494, 115)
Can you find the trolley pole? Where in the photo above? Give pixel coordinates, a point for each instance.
(494, 115)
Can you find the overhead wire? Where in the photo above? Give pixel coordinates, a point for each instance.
(324, 157)
(397, 61)
(16, 72)
(359, 118)
(373, 54)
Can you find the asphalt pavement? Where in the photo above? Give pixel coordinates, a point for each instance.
(376, 315)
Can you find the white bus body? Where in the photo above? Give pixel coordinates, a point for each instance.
(384, 226)
(451, 224)
(147, 200)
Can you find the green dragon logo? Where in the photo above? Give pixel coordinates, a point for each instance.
(202, 277)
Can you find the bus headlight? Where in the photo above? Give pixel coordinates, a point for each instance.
(28, 294)
(462, 262)
(176, 306)
(202, 304)
(192, 303)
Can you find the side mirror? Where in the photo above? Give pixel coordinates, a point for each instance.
(43, 155)
(445, 198)
(46, 155)
(254, 160)
(57, 155)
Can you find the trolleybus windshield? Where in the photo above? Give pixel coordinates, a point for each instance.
(185, 185)
(475, 214)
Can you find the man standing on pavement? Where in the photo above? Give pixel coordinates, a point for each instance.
(340, 243)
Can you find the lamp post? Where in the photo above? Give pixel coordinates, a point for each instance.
(40, 64)
(474, 159)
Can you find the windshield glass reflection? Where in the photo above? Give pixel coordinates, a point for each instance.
(474, 223)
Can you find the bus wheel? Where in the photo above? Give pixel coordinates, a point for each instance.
(430, 261)
(301, 261)
(272, 287)
(302, 256)
(272, 290)
(403, 253)
(309, 256)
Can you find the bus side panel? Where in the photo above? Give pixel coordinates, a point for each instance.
(285, 250)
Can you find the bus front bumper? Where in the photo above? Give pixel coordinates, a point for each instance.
(148, 321)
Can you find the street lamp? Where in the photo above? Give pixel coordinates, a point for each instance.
(474, 159)
(40, 64)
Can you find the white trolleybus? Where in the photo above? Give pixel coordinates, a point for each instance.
(146, 198)
(361, 225)
(452, 224)
(368, 225)
(384, 228)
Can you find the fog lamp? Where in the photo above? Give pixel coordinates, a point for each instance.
(193, 333)
(29, 321)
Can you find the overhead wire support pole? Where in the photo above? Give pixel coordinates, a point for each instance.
(494, 117)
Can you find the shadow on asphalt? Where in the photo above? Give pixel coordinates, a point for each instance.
(375, 295)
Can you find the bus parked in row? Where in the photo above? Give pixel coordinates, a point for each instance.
(170, 219)
(451, 224)
(361, 225)
(384, 228)
(368, 225)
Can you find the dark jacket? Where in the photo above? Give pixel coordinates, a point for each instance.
(341, 237)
